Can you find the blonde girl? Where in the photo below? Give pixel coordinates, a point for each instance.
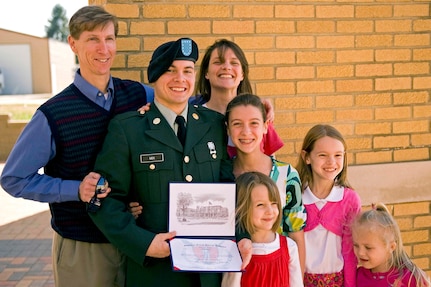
(275, 260)
(379, 248)
(331, 206)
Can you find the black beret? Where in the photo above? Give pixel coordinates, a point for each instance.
(165, 54)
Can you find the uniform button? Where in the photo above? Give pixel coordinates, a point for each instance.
(214, 156)
(152, 166)
(156, 121)
(186, 159)
(189, 178)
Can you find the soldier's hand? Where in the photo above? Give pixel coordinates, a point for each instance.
(245, 248)
(159, 247)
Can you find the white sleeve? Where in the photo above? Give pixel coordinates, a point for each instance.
(295, 273)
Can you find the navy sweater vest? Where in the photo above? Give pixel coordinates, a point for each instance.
(79, 126)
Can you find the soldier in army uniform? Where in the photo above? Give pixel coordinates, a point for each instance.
(142, 154)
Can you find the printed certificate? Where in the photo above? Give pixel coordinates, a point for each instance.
(203, 216)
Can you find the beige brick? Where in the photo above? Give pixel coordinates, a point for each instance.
(275, 27)
(396, 83)
(364, 26)
(119, 61)
(422, 221)
(147, 28)
(354, 85)
(276, 57)
(411, 126)
(364, 41)
(422, 249)
(421, 54)
(339, 71)
(373, 128)
(421, 139)
(293, 103)
(315, 26)
(335, 11)
(335, 42)
(295, 42)
(412, 40)
(416, 10)
(422, 25)
(294, 11)
(422, 111)
(358, 143)
(315, 57)
(255, 43)
(298, 72)
(411, 154)
(262, 73)
(253, 11)
(128, 44)
(354, 56)
(389, 55)
(380, 142)
(422, 263)
(373, 157)
(277, 88)
(383, 26)
(393, 113)
(131, 75)
(316, 87)
(415, 236)
(342, 101)
(283, 118)
(294, 132)
(233, 27)
(405, 223)
(209, 11)
(138, 60)
(198, 27)
(421, 83)
(354, 115)
(123, 10)
(410, 98)
(414, 208)
(164, 11)
(371, 70)
(316, 117)
(373, 11)
(411, 68)
(122, 28)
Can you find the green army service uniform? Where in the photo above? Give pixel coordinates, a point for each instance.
(139, 158)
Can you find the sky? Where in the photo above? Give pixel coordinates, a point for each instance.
(31, 16)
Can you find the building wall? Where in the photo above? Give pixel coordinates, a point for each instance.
(39, 61)
(361, 66)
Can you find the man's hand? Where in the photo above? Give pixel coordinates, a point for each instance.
(87, 187)
(245, 248)
(135, 209)
(159, 247)
(145, 108)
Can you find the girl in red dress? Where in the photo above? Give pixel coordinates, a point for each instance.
(275, 260)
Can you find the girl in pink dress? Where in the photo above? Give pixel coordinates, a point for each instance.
(331, 205)
(379, 248)
(275, 259)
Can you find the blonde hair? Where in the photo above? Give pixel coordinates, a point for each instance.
(315, 133)
(245, 183)
(378, 218)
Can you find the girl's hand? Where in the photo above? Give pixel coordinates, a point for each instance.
(245, 248)
(269, 110)
(135, 209)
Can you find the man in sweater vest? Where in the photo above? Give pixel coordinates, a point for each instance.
(143, 152)
(64, 137)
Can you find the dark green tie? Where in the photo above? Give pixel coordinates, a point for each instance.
(181, 133)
